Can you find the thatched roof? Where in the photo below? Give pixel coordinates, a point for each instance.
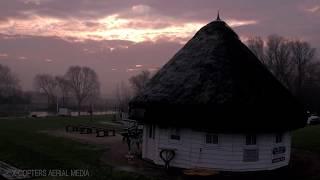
(216, 83)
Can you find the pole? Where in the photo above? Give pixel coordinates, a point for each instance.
(57, 105)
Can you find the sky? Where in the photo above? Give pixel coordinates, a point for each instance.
(120, 38)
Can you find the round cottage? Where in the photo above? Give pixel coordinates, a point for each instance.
(216, 106)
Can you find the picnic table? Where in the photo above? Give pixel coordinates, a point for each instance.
(85, 129)
(101, 132)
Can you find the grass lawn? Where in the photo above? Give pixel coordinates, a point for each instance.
(307, 138)
(22, 145)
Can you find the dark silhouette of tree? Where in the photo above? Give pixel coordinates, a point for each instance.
(47, 84)
(293, 62)
(12, 98)
(63, 89)
(9, 83)
(302, 57)
(84, 84)
(256, 45)
(290, 61)
(139, 81)
(278, 59)
(123, 96)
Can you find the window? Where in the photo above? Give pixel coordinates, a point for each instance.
(250, 155)
(175, 134)
(152, 129)
(212, 138)
(279, 138)
(251, 139)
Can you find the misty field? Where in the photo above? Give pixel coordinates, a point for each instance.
(23, 145)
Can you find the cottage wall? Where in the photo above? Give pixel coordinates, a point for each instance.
(193, 152)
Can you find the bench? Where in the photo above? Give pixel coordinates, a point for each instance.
(85, 130)
(101, 132)
(72, 128)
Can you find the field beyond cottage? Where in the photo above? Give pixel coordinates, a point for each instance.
(42, 143)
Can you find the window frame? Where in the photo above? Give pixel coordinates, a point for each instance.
(151, 131)
(217, 139)
(175, 134)
(279, 138)
(251, 140)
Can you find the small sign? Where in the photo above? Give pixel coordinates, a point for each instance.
(279, 150)
(278, 159)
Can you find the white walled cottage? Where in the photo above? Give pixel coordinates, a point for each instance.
(215, 105)
(225, 152)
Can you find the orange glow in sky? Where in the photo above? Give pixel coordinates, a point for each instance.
(112, 27)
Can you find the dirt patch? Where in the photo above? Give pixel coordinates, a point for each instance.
(115, 152)
(305, 164)
(114, 148)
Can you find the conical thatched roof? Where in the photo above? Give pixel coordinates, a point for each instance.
(216, 83)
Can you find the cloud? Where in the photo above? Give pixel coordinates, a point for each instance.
(141, 9)
(237, 23)
(22, 58)
(113, 27)
(35, 2)
(314, 9)
(83, 9)
(148, 24)
(132, 20)
(48, 60)
(3, 55)
(132, 69)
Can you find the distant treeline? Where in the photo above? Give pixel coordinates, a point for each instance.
(77, 90)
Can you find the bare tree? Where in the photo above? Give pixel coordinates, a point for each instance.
(64, 89)
(12, 98)
(46, 84)
(302, 57)
(256, 45)
(9, 83)
(278, 59)
(83, 82)
(123, 96)
(294, 63)
(139, 81)
(290, 61)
